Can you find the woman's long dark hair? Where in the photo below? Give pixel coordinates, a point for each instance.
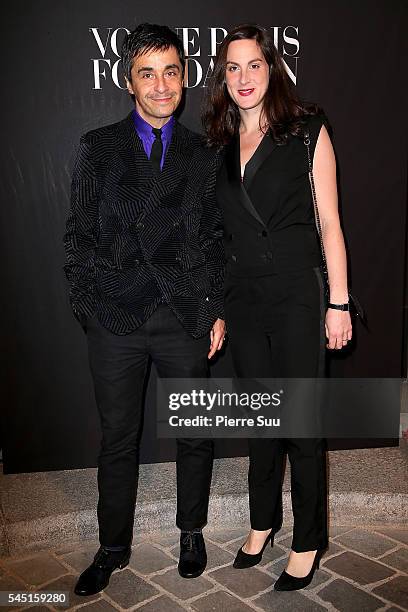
(282, 109)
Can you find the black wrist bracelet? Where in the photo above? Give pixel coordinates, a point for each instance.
(339, 306)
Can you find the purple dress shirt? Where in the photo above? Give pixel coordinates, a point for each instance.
(144, 131)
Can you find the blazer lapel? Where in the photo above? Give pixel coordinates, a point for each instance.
(234, 176)
(131, 150)
(175, 167)
(137, 164)
(264, 149)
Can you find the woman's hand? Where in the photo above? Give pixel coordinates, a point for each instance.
(338, 328)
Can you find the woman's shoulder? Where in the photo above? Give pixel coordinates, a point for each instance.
(309, 123)
(313, 124)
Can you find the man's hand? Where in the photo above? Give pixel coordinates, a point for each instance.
(217, 335)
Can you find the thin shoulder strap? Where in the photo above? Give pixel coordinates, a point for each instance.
(357, 306)
(306, 141)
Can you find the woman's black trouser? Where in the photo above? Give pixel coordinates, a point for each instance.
(276, 329)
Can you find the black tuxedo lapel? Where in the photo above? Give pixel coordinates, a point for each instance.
(175, 167)
(233, 163)
(131, 151)
(262, 152)
(138, 174)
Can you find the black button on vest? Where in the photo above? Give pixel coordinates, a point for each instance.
(157, 150)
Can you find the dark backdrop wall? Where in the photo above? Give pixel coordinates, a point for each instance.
(62, 74)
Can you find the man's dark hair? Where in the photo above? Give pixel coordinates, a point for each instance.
(148, 37)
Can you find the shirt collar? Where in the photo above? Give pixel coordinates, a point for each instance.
(144, 129)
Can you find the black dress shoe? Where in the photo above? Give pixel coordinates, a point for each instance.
(96, 577)
(287, 582)
(243, 560)
(193, 556)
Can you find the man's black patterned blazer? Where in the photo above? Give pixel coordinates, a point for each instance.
(134, 238)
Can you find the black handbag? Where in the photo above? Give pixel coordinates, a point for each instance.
(354, 304)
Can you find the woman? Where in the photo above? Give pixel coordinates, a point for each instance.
(274, 298)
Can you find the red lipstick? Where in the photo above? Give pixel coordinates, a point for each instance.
(245, 92)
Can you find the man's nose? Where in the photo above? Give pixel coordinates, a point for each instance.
(161, 84)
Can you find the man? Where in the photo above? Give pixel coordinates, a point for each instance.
(145, 266)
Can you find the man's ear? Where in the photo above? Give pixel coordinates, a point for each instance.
(129, 86)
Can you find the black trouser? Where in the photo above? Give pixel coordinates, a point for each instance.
(276, 329)
(118, 365)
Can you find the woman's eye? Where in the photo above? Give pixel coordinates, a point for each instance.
(232, 68)
(254, 65)
(147, 75)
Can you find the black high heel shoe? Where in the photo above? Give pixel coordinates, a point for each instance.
(286, 582)
(243, 560)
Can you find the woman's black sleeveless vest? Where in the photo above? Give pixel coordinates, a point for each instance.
(268, 217)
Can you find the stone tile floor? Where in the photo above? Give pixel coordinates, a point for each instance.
(363, 570)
